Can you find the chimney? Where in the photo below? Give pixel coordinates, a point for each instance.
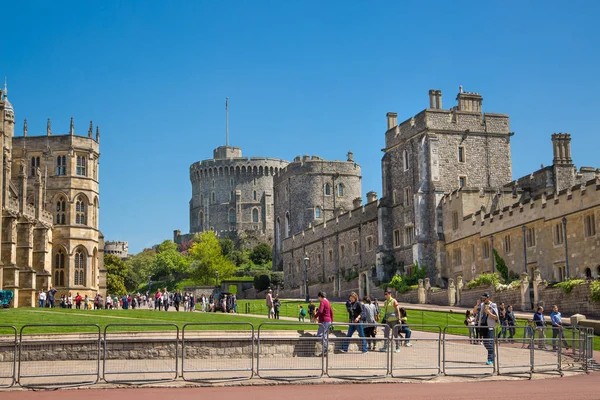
(392, 120)
(431, 98)
(438, 99)
(561, 145)
(350, 156)
(371, 196)
(357, 202)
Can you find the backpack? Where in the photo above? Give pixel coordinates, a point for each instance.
(303, 312)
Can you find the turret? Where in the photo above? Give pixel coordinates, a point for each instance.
(72, 127)
(91, 130)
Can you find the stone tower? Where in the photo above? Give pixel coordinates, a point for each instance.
(233, 193)
(434, 152)
(309, 191)
(564, 169)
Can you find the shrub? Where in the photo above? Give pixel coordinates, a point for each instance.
(484, 279)
(568, 285)
(399, 284)
(595, 291)
(501, 266)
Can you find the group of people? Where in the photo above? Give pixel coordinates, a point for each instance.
(485, 315)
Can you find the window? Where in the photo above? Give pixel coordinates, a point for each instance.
(231, 182)
(507, 247)
(330, 255)
(355, 246)
(61, 165)
(396, 238)
(327, 190)
(319, 259)
(408, 196)
(405, 160)
(589, 224)
(35, 163)
(254, 215)
(60, 211)
(79, 268)
(59, 268)
(485, 250)
(530, 237)
(287, 224)
(461, 154)
(561, 272)
(455, 220)
(80, 211)
(558, 234)
(409, 235)
(462, 181)
(202, 200)
(342, 251)
(213, 198)
(456, 257)
(201, 219)
(81, 162)
(231, 216)
(213, 183)
(394, 201)
(369, 243)
(408, 270)
(317, 212)
(340, 190)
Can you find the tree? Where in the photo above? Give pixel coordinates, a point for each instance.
(207, 259)
(140, 268)
(262, 282)
(261, 254)
(501, 266)
(169, 264)
(116, 271)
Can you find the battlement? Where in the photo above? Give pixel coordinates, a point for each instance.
(466, 117)
(315, 165)
(243, 166)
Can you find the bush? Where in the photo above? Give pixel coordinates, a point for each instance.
(568, 285)
(595, 291)
(484, 279)
(399, 284)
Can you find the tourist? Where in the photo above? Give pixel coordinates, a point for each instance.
(158, 300)
(186, 302)
(269, 302)
(511, 322)
(404, 326)
(502, 316)
(377, 309)
(311, 311)
(325, 318)
(70, 301)
(204, 302)
(177, 299)
(42, 298)
(301, 314)
(391, 312)
(368, 318)
(488, 317)
(277, 306)
(355, 324)
(224, 303)
(193, 302)
(538, 319)
(78, 300)
(125, 301)
(165, 299)
(557, 328)
(234, 303)
(86, 302)
(470, 323)
(50, 296)
(116, 302)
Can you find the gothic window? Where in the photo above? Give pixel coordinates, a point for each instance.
(81, 164)
(278, 234)
(355, 246)
(231, 216)
(485, 250)
(530, 237)
(61, 165)
(456, 257)
(327, 189)
(558, 234)
(254, 195)
(80, 211)
(340, 190)
(405, 160)
(35, 163)
(60, 210)
(462, 181)
(287, 224)
(342, 251)
(79, 268)
(409, 235)
(330, 255)
(507, 247)
(254, 215)
(397, 238)
(407, 196)
(589, 225)
(369, 243)
(317, 212)
(213, 199)
(202, 200)
(59, 268)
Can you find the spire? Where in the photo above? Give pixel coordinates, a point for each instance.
(5, 89)
(97, 134)
(72, 127)
(48, 128)
(25, 128)
(90, 130)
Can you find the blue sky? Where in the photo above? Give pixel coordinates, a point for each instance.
(303, 77)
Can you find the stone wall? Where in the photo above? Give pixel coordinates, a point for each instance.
(576, 302)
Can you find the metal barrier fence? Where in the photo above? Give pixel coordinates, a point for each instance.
(301, 357)
(589, 334)
(544, 359)
(8, 355)
(514, 354)
(213, 357)
(467, 356)
(69, 360)
(419, 354)
(572, 343)
(356, 356)
(134, 359)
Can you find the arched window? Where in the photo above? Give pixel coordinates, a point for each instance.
(287, 224)
(317, 212)
(79, 268)
(59, 268)
(61, 165)
(340, 190)
(213, 198)
(80, 211)
(278, 234)
(201, 219)
(95, 213)
(61, 207)
(35, 163)
(254, 215)
(202, 200)
(231, 216)
(327, 189)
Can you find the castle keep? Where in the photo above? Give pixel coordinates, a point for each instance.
(50, 206)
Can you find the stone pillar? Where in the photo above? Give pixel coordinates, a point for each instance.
(525, 296)
(451, 292)
(427, 289)
(459, 288)
(576, 318)
(421, 292)
(537, 280)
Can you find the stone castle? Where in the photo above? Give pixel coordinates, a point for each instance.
(50, 203)
(446, 183)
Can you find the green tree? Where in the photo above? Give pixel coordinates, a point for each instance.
(140, 268)
(169, 264)
(261, 254)
(116, 271)
(208, 259)
(262, 282)
(226, 246)
(501, 267)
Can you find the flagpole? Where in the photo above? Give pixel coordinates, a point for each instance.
(226, 121)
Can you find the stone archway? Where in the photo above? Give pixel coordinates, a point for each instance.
(363, 285)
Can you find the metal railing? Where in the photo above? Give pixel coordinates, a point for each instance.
(419, 354)
(68, 360)
(545, 359)
(514, 353)
(8, 355)
(468, 356)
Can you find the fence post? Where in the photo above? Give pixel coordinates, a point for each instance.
(248, 308)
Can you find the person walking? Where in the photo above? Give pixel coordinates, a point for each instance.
(488, 317)
(325, 318)
(311, 311)
(177, 299)
(502, 317)
(538, 320)
(50, 296)
(368, 318)
(277, 306)
(355, 314)
(470, 323)
(511, 322)
(557, 328)
(391, 312)
(269, 302)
